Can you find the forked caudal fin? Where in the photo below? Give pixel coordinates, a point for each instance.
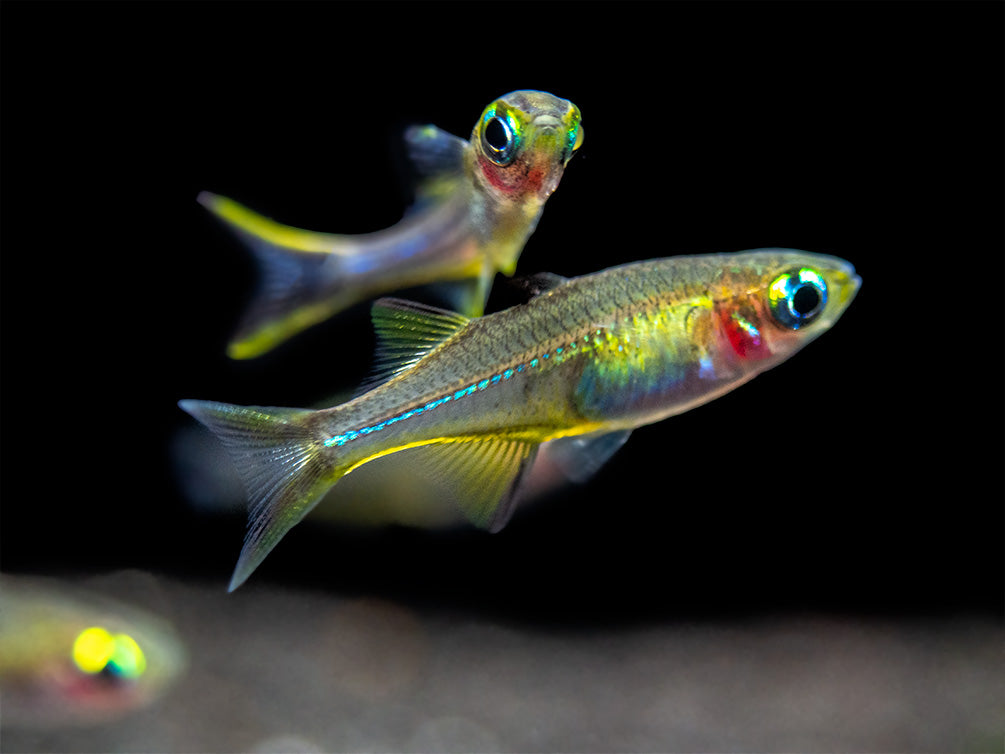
(296, 267)
(287, 468)
(283, 464)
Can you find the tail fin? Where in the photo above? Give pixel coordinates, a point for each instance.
(297, 269)
(283, 463)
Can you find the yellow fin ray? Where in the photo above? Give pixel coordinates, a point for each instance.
(484, 474)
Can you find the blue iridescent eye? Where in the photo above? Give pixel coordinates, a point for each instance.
(498, 139)
(796, 298)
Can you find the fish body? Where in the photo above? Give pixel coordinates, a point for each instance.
(71, 657)
(478, 202)
(579, 366)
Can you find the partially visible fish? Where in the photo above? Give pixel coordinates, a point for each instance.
(71, 657)
(478, 202)
(580, 365)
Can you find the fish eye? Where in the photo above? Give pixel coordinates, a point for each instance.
(96, 651)
(796, 298)
(498, 140)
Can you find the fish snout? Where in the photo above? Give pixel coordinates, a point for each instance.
(555, 139)
(847, 284)
(545, 121)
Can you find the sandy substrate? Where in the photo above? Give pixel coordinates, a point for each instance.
(280, 670)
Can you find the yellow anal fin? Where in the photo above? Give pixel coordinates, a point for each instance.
(484, 474)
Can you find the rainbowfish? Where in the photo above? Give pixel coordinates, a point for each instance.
(70, 657)
(478, 202)
(579, 365)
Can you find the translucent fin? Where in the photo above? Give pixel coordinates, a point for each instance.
(407, 331)
(581, 457)
(485, 475)
(297, 268)
(284, 466)
(437, 159)
(435, 153)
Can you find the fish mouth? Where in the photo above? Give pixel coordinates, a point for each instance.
(851, 283)
(549, 133)
(847, 284)
(548, 122)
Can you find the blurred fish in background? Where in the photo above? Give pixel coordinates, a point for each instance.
(477, 203)
(777, 571)
(72, 657)
(280, 668)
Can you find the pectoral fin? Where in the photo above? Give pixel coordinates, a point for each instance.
(483, 474)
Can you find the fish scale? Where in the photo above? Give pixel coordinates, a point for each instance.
(578, 366)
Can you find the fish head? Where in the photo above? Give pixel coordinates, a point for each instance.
(71, 658)
(522, 143)
(769, 303)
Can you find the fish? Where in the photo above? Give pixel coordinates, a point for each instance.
(72, 657)
(579, 365)
(477, 203)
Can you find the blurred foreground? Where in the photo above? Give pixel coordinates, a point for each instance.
(283, 670)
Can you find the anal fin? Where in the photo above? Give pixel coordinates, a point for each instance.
(483, 474)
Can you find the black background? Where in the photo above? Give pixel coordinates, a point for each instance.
(865, 475)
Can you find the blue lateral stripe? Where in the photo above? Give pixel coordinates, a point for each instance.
(353, 434)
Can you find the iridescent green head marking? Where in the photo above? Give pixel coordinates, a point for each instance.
(797, 297)
(95, 650)
(523, 141)
(573, 134)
